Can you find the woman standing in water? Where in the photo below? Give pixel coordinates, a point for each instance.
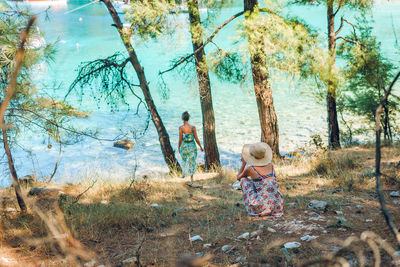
(187, 146)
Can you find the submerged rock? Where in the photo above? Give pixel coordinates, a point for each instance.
(125, 144)
(318, 205)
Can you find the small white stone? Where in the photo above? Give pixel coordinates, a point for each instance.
(292, 245)
(359, 207)
(394, 194)
(11, 210)
(199, 254)
(272, 230)
(261, 226)
(308, 238)
(196, 238)
(90, 263)
(207, 245)
(236, 186)
(104, 202)
(154, 205)
(368, 220)
(317, 218)
(255, 234)
(241, 259)
(129, 260)
(338, 212)
(318, 205)
(225, 248)
(244, 235)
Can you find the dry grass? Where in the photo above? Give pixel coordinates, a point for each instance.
(117, 222)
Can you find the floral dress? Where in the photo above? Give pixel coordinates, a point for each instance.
(188, 153)
(262, 197)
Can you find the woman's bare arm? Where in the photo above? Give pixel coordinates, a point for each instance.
(196, 138)
(180, 139)
(243, 172)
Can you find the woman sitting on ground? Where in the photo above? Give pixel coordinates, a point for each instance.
(258, 182)
(187, 146)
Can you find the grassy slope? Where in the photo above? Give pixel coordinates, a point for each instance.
(114, 231)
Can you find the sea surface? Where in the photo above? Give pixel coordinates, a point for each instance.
(86, 34)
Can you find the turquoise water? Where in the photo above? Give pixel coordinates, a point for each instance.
(87, 35)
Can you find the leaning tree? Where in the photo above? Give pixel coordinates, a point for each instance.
(115, 84)
(25, 108)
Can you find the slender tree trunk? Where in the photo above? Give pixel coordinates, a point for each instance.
(262, 87)
(168, 152)
(13, 172)
(207, 110)
(333, 125)
(9, 94)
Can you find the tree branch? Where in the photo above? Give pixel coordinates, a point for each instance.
(350, 41)
(339, 7)
(384, 210)
(340, 27)
(209, 39)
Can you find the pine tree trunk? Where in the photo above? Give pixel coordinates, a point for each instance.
(262, 88)
(333, 125)
(207, 110)
(15, 182)
(168, 152)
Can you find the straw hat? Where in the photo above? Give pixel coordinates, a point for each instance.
(258, 154)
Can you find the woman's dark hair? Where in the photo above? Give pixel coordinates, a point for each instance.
(185, 116)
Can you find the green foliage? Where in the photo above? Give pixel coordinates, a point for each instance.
(149, 18)
(286, 43)
(367, 74)
(352, 4)
(229, 66)
(31, 110)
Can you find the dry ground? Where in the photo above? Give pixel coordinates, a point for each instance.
(125, 225)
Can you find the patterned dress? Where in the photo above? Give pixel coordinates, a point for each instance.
(262, 197)
(188, 153)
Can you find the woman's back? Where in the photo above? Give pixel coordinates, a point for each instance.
(187, 129)
(262, 171)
